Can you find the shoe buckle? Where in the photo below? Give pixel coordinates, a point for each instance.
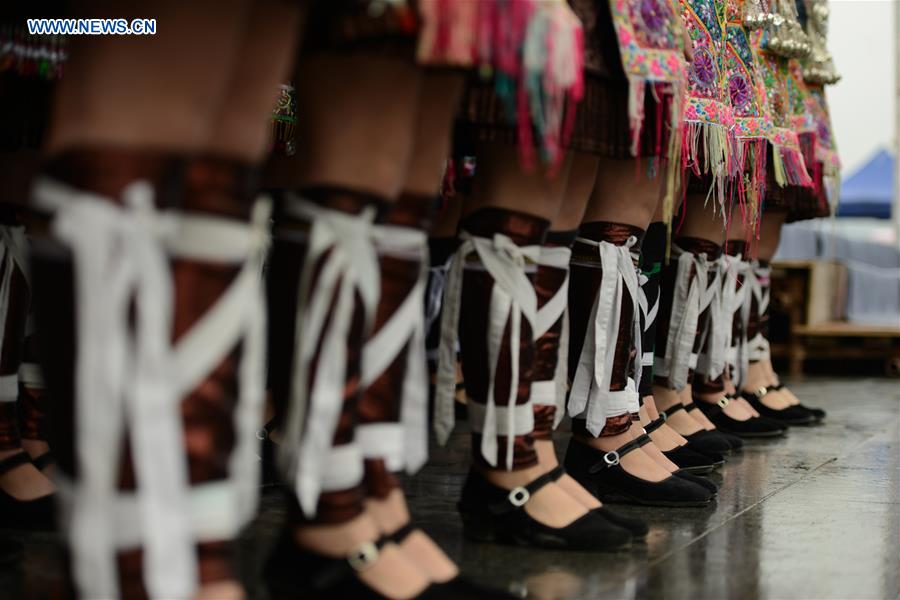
(363, 557)
(519, 496)
(611, 458)
(723, 401)
(664, 416)
(262, 434)
(761, 391)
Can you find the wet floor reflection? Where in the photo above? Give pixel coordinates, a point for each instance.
(816, 515)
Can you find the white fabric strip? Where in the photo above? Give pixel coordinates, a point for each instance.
(756, 283)
(13, 257)
(551, 312)
(343, 244)
(590, 397)
(9, 388)
(123, 253)
(342, 467)
(543, 393)
(30, 375)
(384, 441)
(714, 336)
(512, 298)
(210, 506)
(511, 421)
(678, 355)
(734, 300)
(404, 329)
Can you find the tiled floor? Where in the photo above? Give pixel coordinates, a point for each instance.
(814, 515)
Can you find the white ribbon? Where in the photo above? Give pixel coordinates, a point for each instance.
(512, 298)
(131, 373)
(341, 253)
(734, 296)
(690, 287)
(590, 396)
(404, 329)
(714, 336)
(13, 256)
(757, 283)
(547, 315)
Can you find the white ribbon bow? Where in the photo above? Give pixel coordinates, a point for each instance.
(590, 394)
(343, 244)
(555, 309)
(687, 296)
(134, 375)
(124, 369)
(404, 329)
(512, 298)
(734, 271)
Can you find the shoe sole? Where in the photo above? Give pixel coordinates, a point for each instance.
(475, 531)
(702, 469)
(620, 498)
(757, 434)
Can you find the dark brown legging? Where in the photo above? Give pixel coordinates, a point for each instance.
(583, 289)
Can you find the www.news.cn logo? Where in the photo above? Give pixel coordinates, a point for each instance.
(91, 26)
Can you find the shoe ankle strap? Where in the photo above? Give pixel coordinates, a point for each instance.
(358, 560)
(517, 497)
(656, 424)
(672, 410)
(16, 460)
(612, 458)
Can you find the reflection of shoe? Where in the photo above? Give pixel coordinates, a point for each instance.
(817, 413)
(493, 514)
(791, 415)
(11, 552)
(459, 585)
(32, 515)
(292, 572)
(754, 427)
(602, 475)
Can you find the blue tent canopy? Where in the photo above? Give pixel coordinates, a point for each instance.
(868, 192)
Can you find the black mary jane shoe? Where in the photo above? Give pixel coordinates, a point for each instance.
(791, 415)
(701, 481)
(754, 427)
(601, 474)
(294, 573)
(817, 413)
(687, 460)
(712, 443)
(493, 514)
(460, 586)
(27, 515)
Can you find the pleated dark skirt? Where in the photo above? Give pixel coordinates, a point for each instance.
(601, 124)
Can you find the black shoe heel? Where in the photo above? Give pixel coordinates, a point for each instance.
(602, 475)
(492, 513)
